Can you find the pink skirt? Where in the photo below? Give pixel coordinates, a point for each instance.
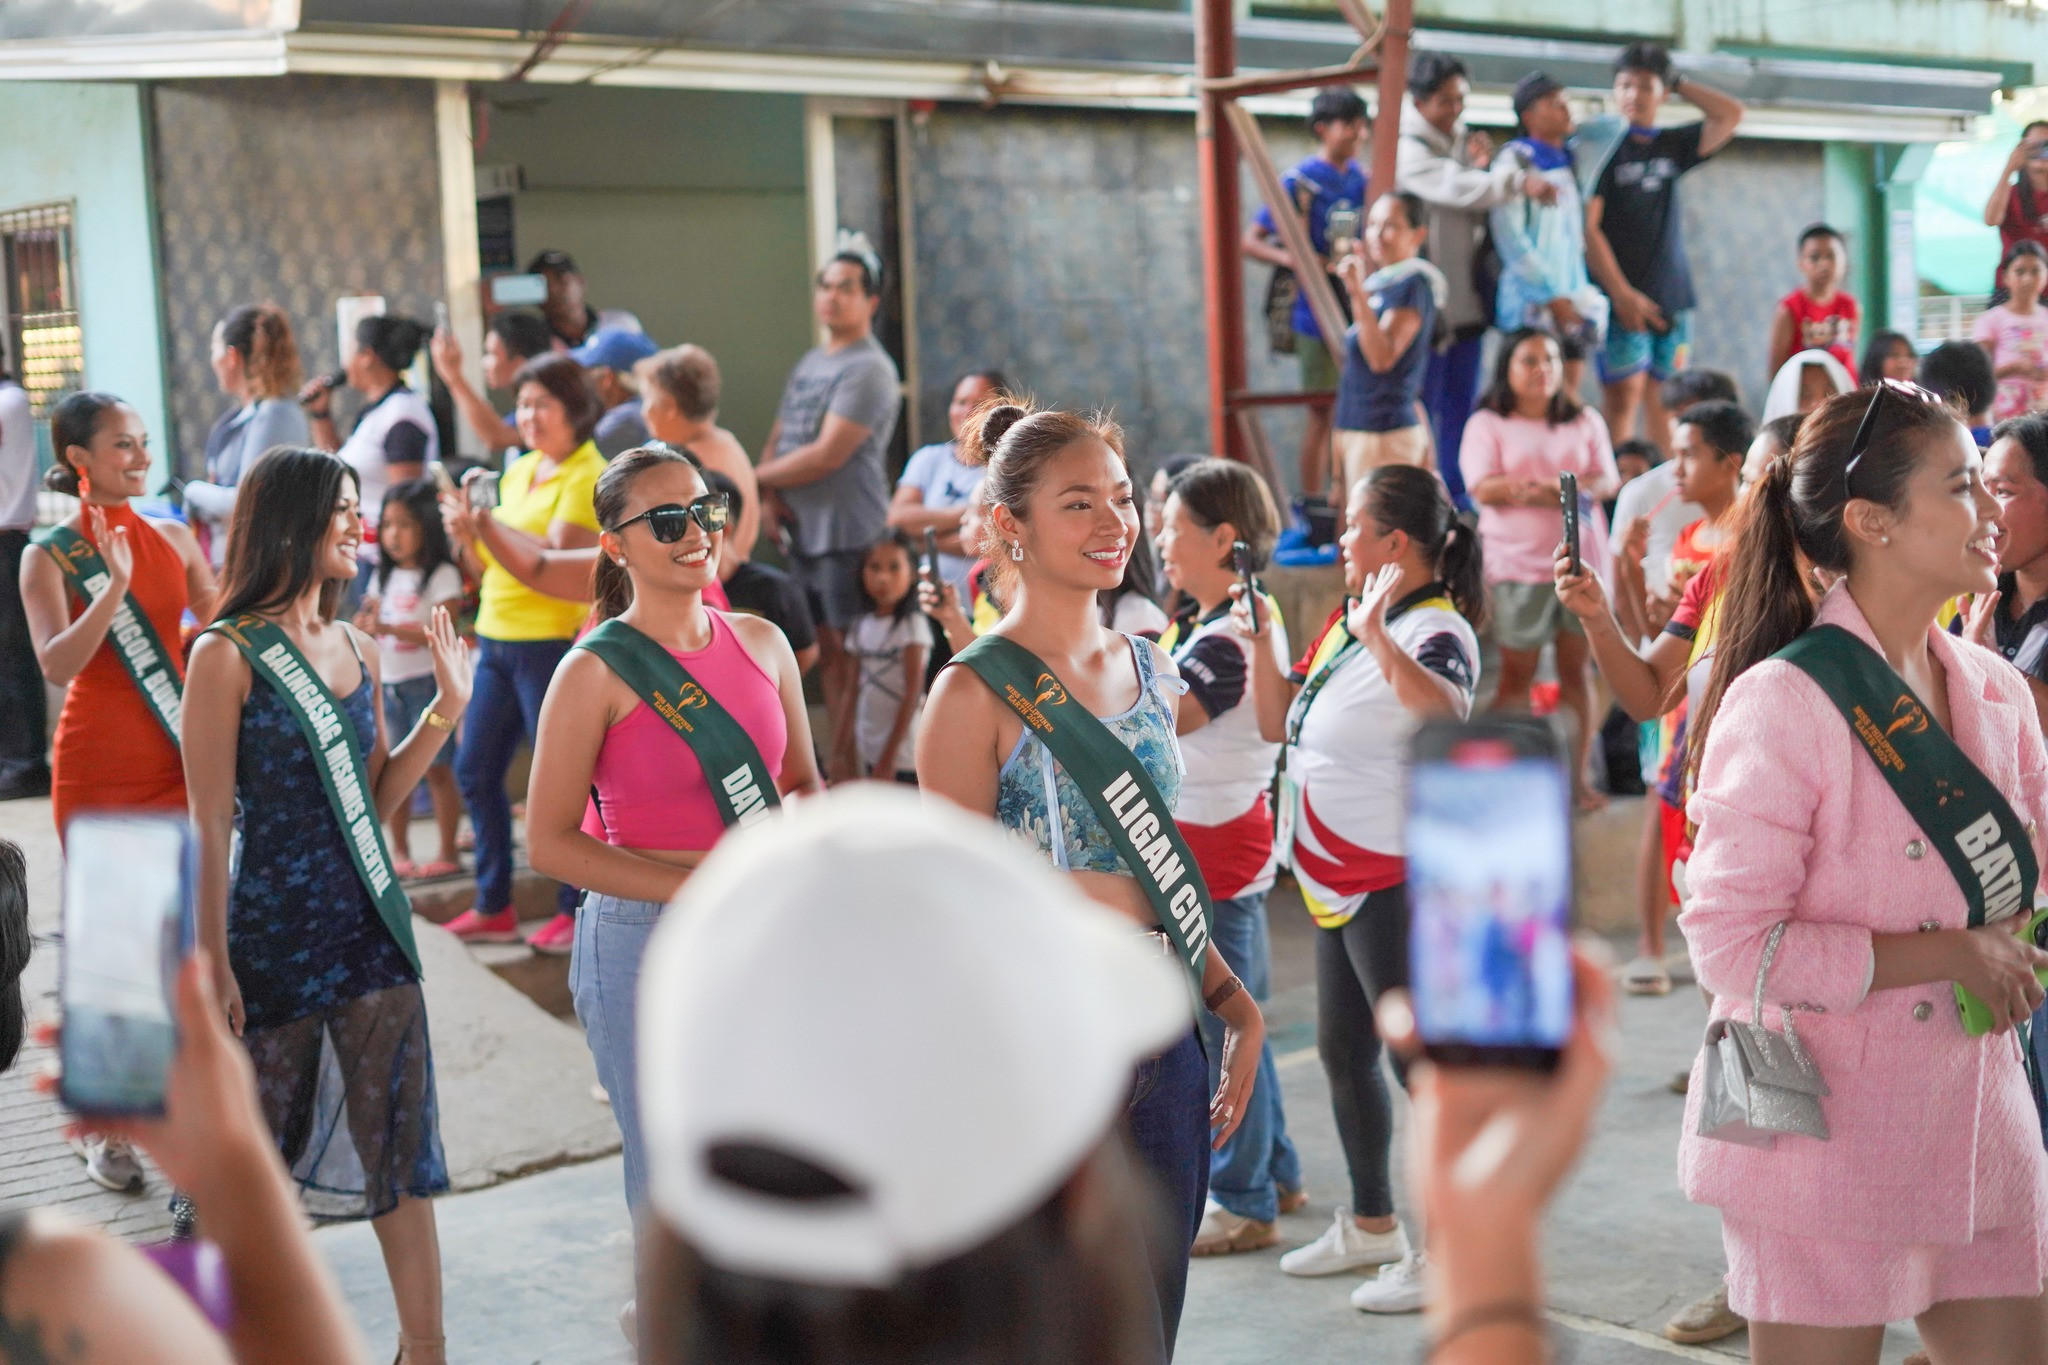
(1830, 1282)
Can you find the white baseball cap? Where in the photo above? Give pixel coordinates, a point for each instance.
(897, 993)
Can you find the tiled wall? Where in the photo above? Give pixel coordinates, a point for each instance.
(296, 190)
(1064, 248)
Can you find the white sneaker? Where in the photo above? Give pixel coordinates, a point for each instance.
(1345, 1246)
(1402, 1287)
(110, 1164)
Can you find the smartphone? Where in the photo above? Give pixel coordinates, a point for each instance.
(1489, 847)
(482, 486)
(931, 556)
(442, 479)
(1241, 556)
(1568, 502)
(519, 291)
(441, 323)
(128, 923)
(1341, 228)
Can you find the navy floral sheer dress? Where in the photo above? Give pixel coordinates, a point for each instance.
(336, 1023)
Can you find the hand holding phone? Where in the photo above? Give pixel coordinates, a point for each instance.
(1490, 886)
(128, 924)
(1568, 502)
(1241, 556)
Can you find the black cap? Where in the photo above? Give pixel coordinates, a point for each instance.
(1533, 87)
(552, 262)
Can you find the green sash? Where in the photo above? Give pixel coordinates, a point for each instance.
(142, 654)
(733, 767)
(1976, 830)
(1125, 799)
(343, 772)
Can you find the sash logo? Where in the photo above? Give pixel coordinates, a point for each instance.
(690, 695)
(1907, 715)
(1050, 691)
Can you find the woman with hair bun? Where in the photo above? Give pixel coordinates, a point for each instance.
(256, 363)
(1063, 730)
(1401, 650)
(1874, 879)
(395, 437)
(626, 797)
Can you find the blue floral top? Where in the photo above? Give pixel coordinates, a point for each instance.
(303, 933)
(1033, 791)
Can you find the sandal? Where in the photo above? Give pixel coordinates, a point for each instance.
(405, 868)
(440, 867)
(1646, 976)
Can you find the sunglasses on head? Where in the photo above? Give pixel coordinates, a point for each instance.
(670, 522)
(1867, 428)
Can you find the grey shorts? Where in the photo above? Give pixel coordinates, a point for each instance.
(832, 581)
(1528, 616)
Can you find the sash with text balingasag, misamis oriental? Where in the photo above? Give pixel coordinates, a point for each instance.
(738, 776)
(1123, 795)
(136, 644)
(344, 771)
(1962, 813)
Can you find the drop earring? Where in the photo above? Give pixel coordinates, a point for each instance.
(1017, 551)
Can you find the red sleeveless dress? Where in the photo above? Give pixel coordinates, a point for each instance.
(111, 752)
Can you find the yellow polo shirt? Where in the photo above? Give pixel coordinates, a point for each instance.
(512, 611)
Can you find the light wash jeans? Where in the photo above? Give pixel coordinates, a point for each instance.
(604, 977)
(1247, 1175)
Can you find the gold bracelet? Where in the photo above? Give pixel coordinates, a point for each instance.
(438, 721)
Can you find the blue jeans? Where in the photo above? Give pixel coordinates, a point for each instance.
(512, 677)
(1169, 1126)
(1247, 1175)
(604, 978)
(1449, 385)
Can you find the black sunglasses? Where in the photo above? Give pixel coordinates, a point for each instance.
(1867, 428)
(670, 522)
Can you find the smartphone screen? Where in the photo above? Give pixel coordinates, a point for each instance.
(127, 925)
(1490, 890)
(931, 554)
(1568, 502)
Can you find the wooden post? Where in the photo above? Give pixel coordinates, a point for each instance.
(1386, 130)
(1293, 230)
(1222, 270)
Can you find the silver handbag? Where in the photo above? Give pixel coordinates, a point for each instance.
(1756, 1083)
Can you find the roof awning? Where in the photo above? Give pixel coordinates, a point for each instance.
(1025, 51)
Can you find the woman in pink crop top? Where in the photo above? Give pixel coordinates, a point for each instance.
(618, 803)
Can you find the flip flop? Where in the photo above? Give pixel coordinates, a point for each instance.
(405, 868)
(1646, 976)
(440, 867)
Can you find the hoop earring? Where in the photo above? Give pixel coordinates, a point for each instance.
(1017, 551)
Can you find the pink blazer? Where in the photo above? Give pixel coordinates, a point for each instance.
(1934, 1134)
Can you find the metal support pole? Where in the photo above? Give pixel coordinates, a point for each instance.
(1398, 23)
(1222, 271)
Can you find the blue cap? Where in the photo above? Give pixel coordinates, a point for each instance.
(614, 348)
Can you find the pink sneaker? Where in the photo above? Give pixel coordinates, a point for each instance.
(557, 937)
(471, 927)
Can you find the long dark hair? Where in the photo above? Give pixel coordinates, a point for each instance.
(1400, 497)
(611, 585)
(1879, 349)
(1066, 1284)
(1500, 394)
(422, 499)
(75, 421)
(1795, 509)
(283, 512)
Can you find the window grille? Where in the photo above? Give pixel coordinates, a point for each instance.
(42, 344)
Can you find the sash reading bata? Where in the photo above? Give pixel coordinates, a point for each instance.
(733, 767)
(1119, 790)
(343, 772)
(135, 641)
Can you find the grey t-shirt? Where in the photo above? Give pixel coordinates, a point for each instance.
(848, 509)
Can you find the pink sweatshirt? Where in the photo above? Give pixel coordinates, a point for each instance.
(1934, 1132)
(1521, 542)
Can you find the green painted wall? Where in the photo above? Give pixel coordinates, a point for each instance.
(1853, 206)
(93, 152)
(686, 207)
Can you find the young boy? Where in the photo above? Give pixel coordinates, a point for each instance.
(1378, 418)
(1330, 181)
(1542, 245)
(1819, 315)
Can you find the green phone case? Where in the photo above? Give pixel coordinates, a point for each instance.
(1976, 1015)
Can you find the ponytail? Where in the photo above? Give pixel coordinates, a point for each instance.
(611, 589)
(1461, 568)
